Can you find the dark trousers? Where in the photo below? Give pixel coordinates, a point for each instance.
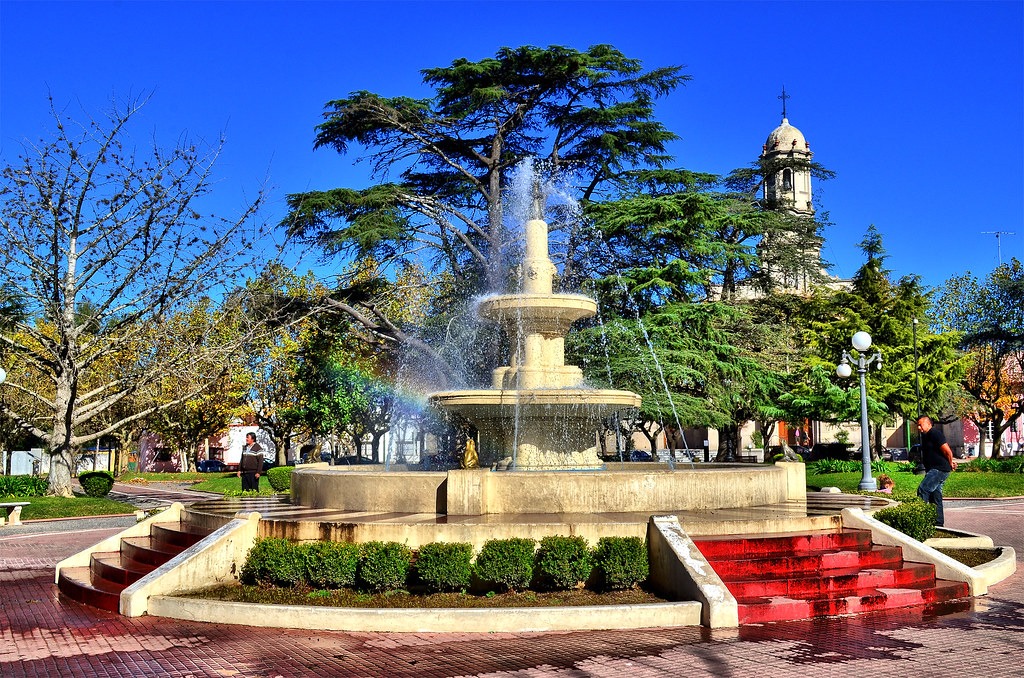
(930, 490)
(250, 481)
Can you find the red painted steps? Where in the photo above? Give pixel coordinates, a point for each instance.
(109, 573)
(788, 576)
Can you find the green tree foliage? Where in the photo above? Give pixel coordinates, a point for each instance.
(589, 111)
(886, 309)
(989, 317)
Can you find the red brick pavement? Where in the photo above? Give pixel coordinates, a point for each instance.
(41, 635)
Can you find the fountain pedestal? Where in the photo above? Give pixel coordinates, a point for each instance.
(538, 413)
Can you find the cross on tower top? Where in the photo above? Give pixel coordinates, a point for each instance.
(784, 96)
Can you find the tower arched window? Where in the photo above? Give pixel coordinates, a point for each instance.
(787, 179)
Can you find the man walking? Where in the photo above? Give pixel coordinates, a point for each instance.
(251, 465)
(938, 463)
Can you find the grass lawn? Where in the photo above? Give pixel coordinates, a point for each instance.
(64, 507)
(164, 477)
(204, 482)
(981, 485)
(228, 482)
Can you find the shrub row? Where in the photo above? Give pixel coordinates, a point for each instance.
(22, 486)
(916, 519)
(986, 465)
(559, 563)
(854, 466)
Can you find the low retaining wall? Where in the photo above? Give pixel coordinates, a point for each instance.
(680, 570)
(442, 620)
(468, 492)
(916, 552)
(217, 559)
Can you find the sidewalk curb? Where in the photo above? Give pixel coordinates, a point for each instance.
(52, 520)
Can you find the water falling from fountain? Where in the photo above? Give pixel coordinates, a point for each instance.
(538, 413)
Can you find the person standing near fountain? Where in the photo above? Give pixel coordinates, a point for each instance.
(251, 465)
(938, 463)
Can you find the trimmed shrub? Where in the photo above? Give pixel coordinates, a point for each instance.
(916, 519)
(96, 483)
(280, 478)
(445, 566)
(563, 562)
(384, 566)
(998, 465)
(22, 486)
(273, 561)
(621, 562)
(507, 562)
(329, 564)
(781, 457)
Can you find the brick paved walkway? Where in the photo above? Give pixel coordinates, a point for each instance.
(41, 635)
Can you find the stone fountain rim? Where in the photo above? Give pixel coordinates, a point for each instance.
(537, 396)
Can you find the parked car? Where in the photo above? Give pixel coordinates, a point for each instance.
(640, 455)
(211, 466)
(896, 454)
(829, 451)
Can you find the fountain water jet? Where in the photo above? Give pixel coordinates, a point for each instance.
(538, 413)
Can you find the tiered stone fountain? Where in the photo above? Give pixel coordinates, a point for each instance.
(536, 421)
(538, 414)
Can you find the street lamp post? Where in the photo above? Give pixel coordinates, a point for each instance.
(862, 342)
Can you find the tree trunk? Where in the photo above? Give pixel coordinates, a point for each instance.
(62, 458)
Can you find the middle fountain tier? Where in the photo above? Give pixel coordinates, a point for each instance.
(538, 413)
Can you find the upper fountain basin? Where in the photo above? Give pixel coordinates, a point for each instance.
(557, 310)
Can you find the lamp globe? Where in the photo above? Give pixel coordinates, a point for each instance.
(862, 341)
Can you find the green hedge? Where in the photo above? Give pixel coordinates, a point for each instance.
(280, 478)
(621, 562)
(329, 564)
(445, 566)
(22, 486)
(96, 483)
(915, 519)
(559, 563)
(986, 465)
(384, 566)
(563, 562)
(507, 563)
(273, 561)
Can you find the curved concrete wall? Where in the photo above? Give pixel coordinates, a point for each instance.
(481, 491)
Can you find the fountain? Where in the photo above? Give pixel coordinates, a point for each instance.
(538, 420)
(538, 413)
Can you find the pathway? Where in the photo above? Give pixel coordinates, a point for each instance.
(41, 635)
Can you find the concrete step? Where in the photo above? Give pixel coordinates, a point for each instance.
(115, 567)
(806, 564)
(783, 543)
(78, 584)
(180, 535)
(840, 581)
(754, 611)
(148, 550)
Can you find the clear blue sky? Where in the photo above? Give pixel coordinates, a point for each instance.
(918, 106)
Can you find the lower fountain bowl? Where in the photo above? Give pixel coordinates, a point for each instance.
(540, 429)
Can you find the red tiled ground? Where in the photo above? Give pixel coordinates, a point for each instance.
(43, 636)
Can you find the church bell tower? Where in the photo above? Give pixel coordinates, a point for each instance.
(786, 160)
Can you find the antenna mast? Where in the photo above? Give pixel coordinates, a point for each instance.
(999, 248)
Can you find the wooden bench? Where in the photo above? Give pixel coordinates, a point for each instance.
(11, 510)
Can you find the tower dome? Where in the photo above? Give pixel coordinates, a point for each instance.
(785, 138)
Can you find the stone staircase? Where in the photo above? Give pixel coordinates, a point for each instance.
(788, 576)
(100, 584)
